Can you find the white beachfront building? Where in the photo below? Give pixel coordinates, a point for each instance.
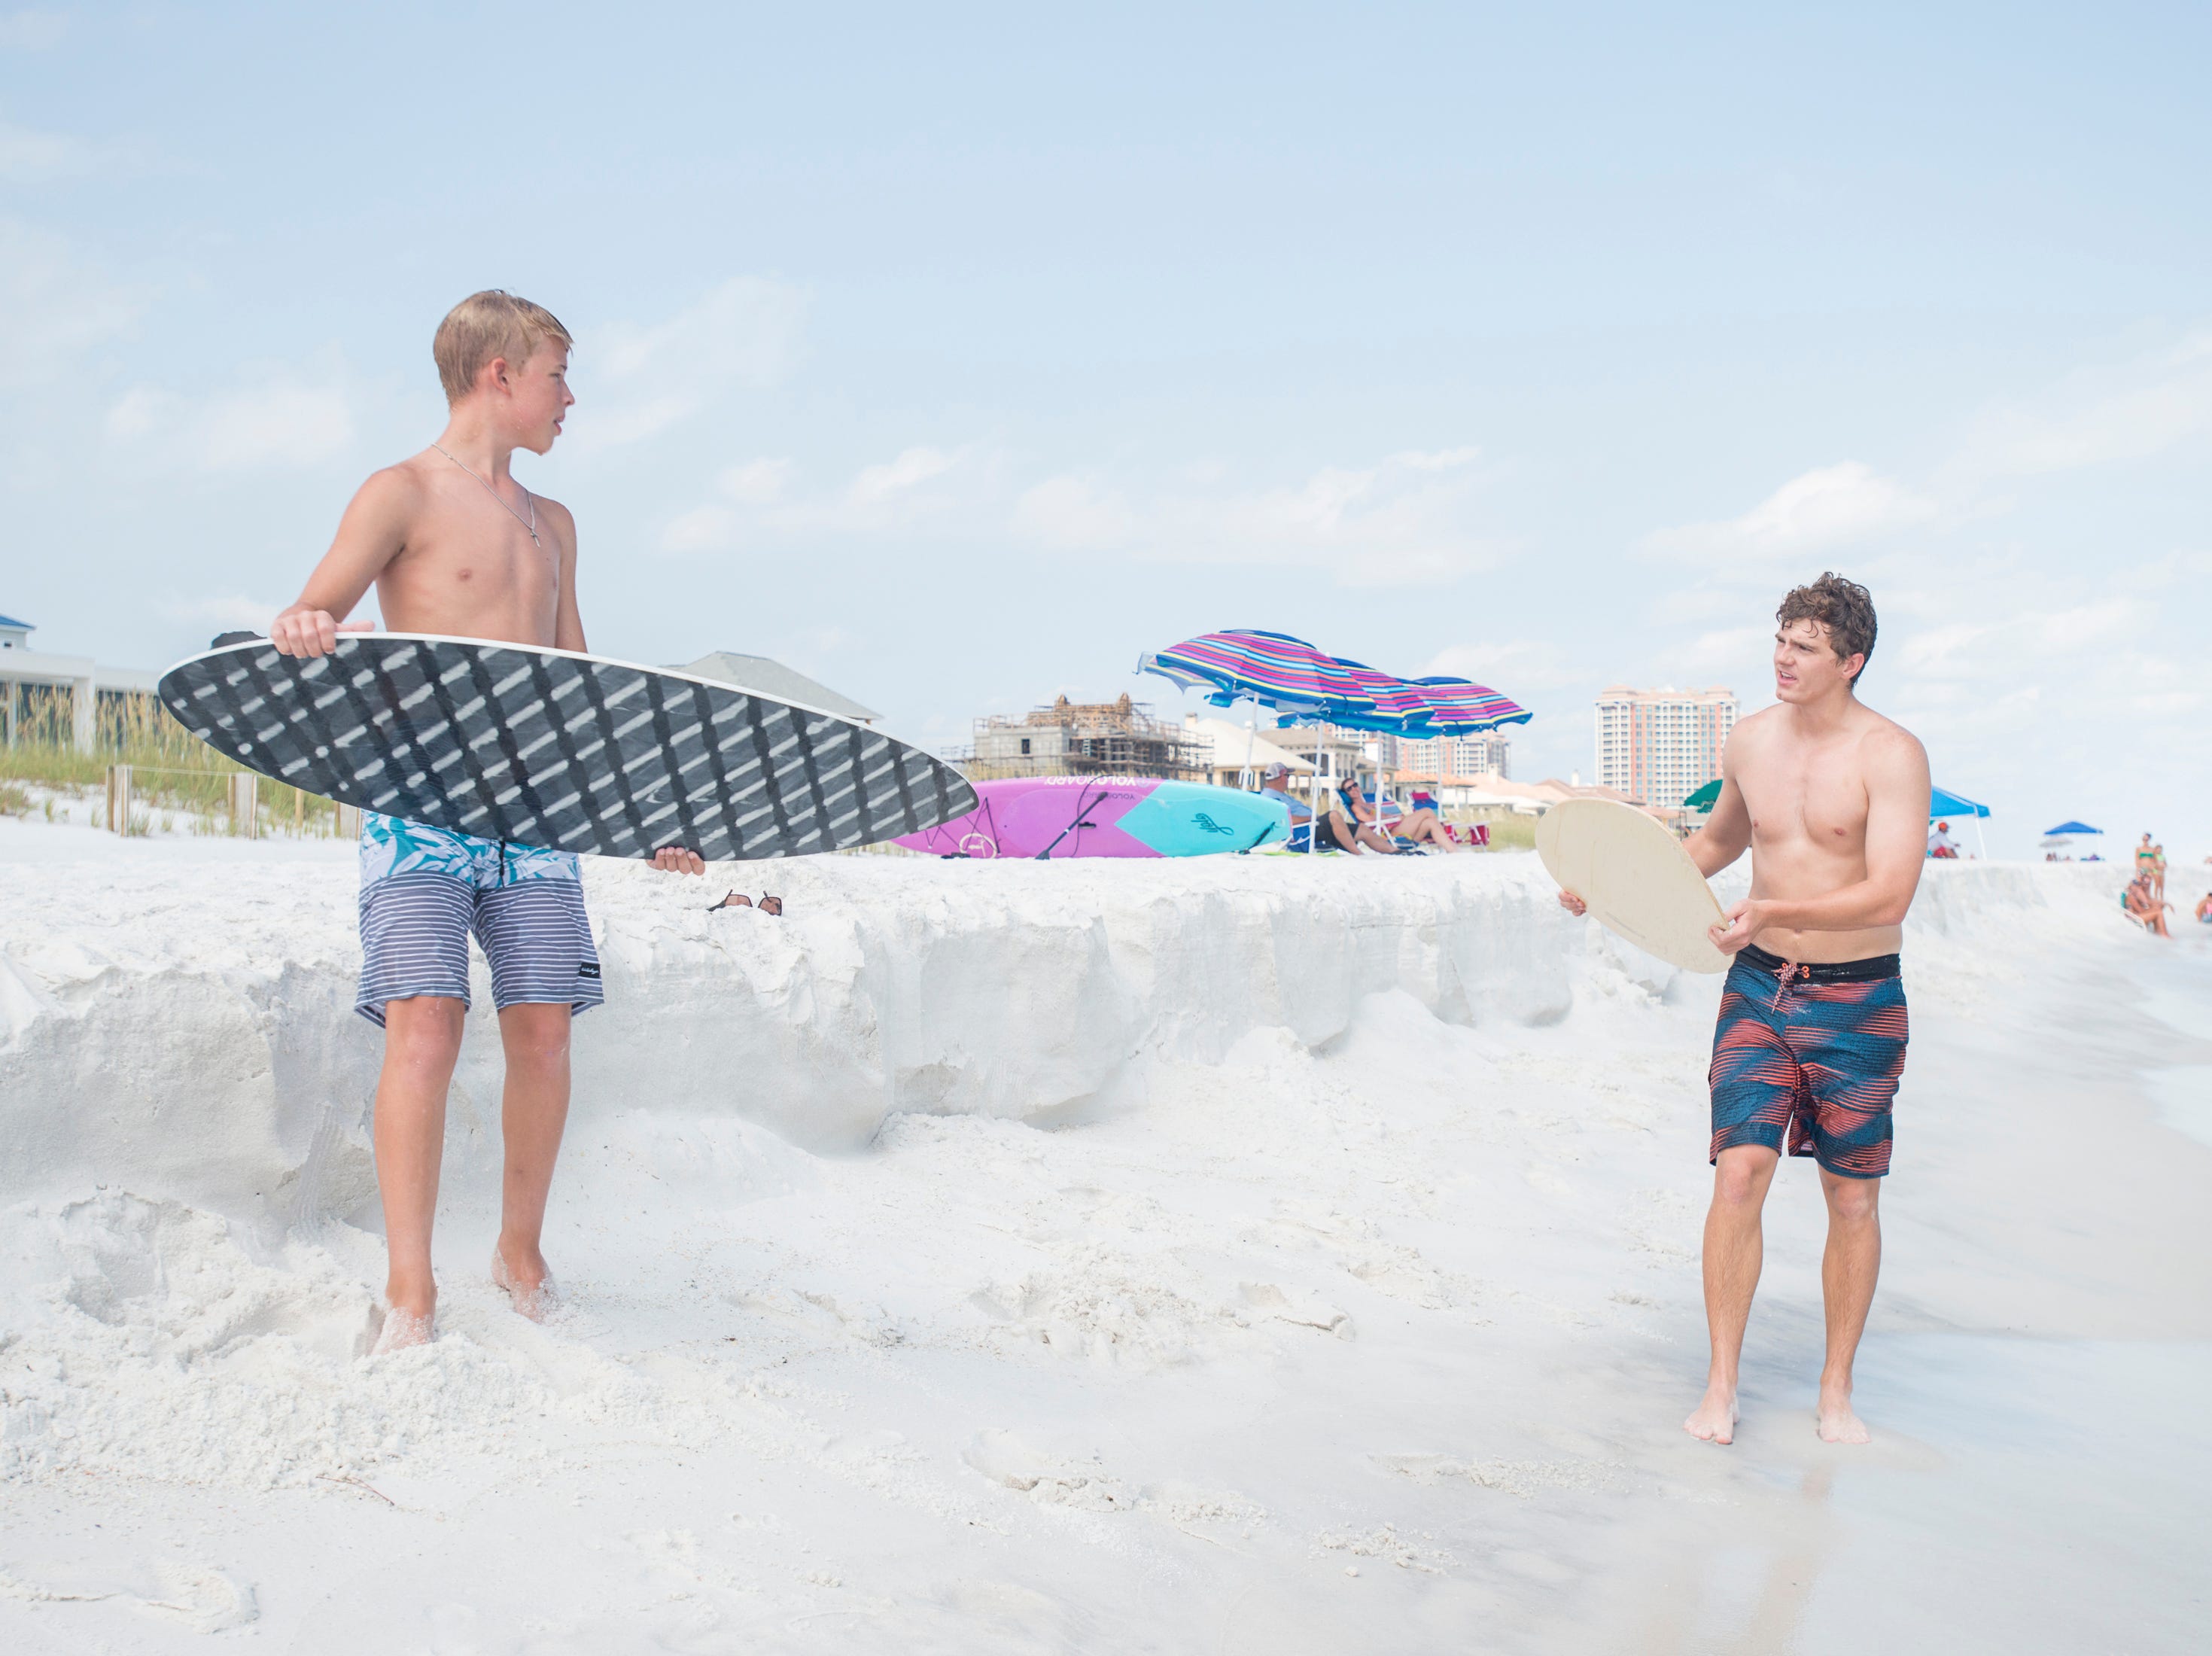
(22, 668)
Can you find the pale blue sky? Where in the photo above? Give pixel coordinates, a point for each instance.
(958, 358)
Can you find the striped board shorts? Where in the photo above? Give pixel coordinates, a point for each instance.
(1808, 1055)
(424, 890)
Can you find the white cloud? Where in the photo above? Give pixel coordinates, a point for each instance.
(1074, 513)
(703, 529)
(757, 483)
(1829, 506)
(1737, 657)
(32, 30)
(1514, 666)
(1400, 520)
(276, 418)
(635, 382)
(227, 612)
(32, 157)
(719, 526)
(54, 307)
(1403, 521)
(2130, 411)
(917, 484)
(878, 485)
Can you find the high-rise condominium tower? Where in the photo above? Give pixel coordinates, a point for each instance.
(1661, 745)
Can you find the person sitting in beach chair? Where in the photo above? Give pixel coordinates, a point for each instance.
(1413, 829)
(1939, 841)
(2145, 910)
(2204, 911)
(1336, 833)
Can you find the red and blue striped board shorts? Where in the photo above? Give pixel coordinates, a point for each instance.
(1807, 1056)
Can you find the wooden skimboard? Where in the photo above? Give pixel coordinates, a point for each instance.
(1636, 879)
(550, 748)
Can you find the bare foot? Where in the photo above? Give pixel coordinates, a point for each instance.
(1837, 1424)
(529, 1284)
(401, 1329)
(1713, 1418)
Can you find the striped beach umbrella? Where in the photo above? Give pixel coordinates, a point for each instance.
(1272, 669)
(1459, 707)
(1397, 706)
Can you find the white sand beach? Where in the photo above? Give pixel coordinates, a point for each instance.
(1232, 1256)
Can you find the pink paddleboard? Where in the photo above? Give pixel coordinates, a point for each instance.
(1105, 816)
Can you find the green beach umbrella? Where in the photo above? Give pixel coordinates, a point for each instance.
(1705, 797)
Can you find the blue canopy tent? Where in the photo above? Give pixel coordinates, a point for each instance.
(1941, 802)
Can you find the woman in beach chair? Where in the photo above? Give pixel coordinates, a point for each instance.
(1336, 833)
(2145, 910)
(1414, 829)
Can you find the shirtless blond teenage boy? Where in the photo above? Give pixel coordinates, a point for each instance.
(454, 544)
(1832, 799)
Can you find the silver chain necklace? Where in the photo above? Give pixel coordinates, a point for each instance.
(529, 523)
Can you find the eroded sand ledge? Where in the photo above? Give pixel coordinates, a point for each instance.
(188, 1032)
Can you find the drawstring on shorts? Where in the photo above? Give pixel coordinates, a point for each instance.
(1790, 969)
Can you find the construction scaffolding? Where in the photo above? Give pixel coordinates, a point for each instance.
(1119, 737)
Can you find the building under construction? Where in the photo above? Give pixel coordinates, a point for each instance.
(1119, 737)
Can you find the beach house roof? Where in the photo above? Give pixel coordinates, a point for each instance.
(773, 679)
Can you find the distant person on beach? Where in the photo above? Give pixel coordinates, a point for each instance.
(2158, 872)
(1939, 841)
(1832, 799)
(2205, 909)
(1335, 832)
(455, 546)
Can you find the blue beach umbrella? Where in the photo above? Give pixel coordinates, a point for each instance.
(2067, 836)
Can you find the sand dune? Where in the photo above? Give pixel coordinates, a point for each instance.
(1232, 1256)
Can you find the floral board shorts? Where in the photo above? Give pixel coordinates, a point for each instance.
(424, 890)
(1808, 1055)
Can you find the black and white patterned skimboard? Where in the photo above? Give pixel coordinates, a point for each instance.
(549, 748)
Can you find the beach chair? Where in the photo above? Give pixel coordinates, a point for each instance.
(1476, 834)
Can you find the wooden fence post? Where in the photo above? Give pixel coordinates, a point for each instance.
(245, 805)
(348, 822)
(118, 798)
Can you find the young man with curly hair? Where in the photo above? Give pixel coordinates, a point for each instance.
(1831, 799)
